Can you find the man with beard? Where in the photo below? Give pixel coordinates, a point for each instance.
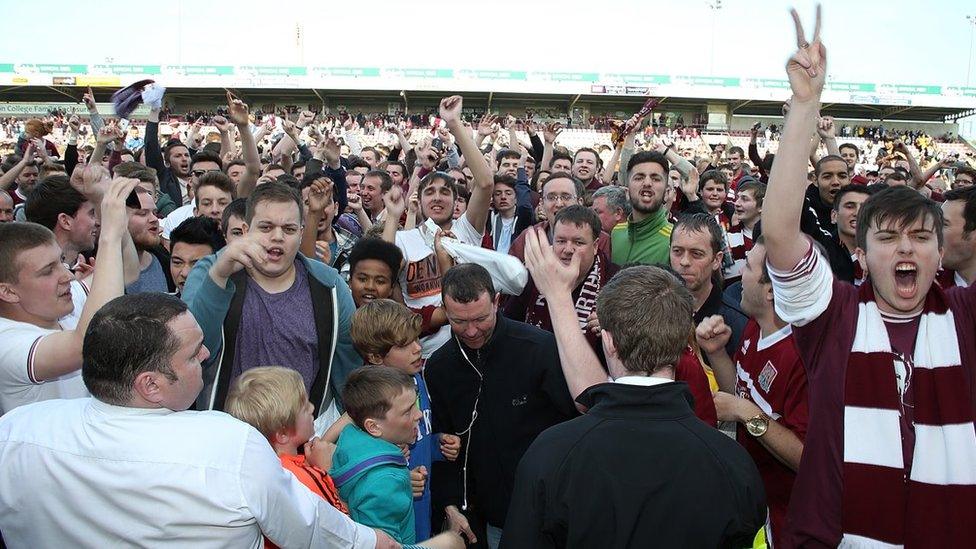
(172, 164)
(154, 274)
(260, 302)
(420, 279)
(646, 237)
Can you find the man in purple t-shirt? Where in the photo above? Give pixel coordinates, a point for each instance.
(890, 456)
(260, 303)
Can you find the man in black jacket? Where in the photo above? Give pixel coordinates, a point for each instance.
(497, 383)
(639, 469)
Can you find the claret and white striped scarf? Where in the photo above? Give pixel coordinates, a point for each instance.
(884, 504)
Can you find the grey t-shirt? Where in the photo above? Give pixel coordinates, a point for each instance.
(278, 329)
(151, 279)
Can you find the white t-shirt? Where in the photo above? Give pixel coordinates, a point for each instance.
(173, 220)
(18, 342)
(420, 279)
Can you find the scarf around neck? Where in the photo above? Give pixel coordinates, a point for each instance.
(538, 313)
(934, 503)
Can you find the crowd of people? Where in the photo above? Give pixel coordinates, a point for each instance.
(472, 335)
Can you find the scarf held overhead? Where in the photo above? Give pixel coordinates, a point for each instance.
(884, 504)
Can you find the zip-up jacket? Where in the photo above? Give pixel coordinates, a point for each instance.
(515, 385)
(218, 311)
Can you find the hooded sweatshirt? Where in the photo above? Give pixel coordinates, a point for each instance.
(373, 479)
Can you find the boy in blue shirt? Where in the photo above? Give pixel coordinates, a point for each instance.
(386, 332)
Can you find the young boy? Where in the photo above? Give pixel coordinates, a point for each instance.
(386, 332)
(369, 469)
(273, 400)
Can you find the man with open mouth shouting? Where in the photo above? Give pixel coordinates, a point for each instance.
(260, 302)
(891, 459)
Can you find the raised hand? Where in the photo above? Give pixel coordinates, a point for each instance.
(305, 118)
(394, 202)
(450, 109)
(713, 334)
(486, 126)
(221, 123)
(320, 196)
(826, 128)
(551, 132)
(689, 186)
(807, 68)
(550, 275)
(290, 129)
(237, 110)
(330, 151)
(91, 180)
(531, 128)
(108, 133)
(89, 99)
(114, 217)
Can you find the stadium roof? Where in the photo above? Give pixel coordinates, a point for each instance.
(427, 98)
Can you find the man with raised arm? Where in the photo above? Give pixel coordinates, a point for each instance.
(420, 279)
(891, 459)
(41, 333)
(633, 471)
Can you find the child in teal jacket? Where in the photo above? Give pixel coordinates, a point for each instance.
(368, 467)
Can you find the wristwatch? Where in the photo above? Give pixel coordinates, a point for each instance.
(758, 425)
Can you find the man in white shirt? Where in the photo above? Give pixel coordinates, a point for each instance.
(132, 467)
(420, 279)
(40, 338)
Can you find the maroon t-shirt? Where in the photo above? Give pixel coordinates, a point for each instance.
(770, 374)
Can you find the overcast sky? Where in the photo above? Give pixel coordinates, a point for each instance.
(895, 41)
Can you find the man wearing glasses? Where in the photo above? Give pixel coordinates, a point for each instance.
(559, 191)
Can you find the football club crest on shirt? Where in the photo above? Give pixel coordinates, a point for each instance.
(767, 375)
